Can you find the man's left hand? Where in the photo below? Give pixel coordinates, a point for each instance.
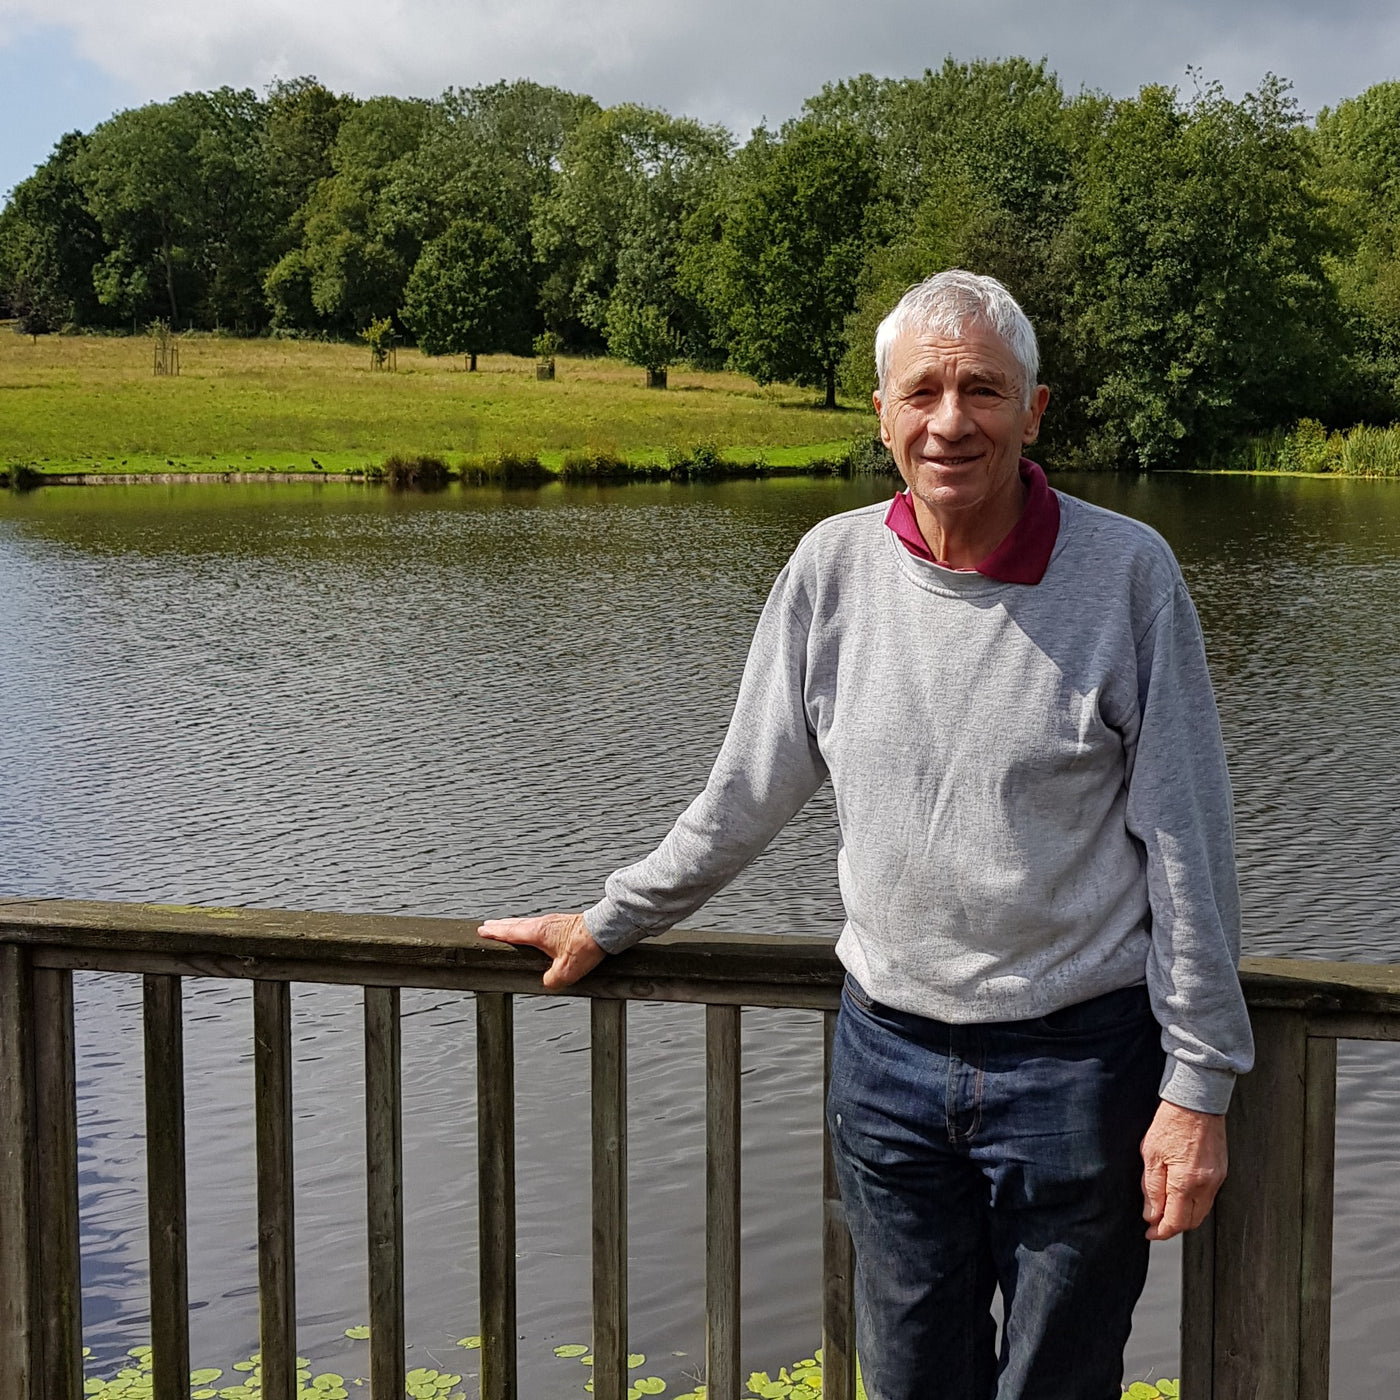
(1184, 1159)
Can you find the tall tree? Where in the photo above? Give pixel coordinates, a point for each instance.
(611, 229)
(49, 245)
(1200, 293)
(355, 256)
(462, 290)
(178, 190)
(1358, 149)
(778, 255)
(489, 155)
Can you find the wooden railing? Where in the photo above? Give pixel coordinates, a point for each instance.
(1256, 1278)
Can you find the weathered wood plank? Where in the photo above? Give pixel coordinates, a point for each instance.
(838, 1260)
(1258, 1249)
(56, 1218)
(1319, 1170)
(495, 1156)
(722, 1202)
(1355, 1025)
(523, 980)
(20, 1359)
(681, 955)
(165, 1187)
(609, 1056)
(384, 1190)
(272, 1079)
(1198, 1310)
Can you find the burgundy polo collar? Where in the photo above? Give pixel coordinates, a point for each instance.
(1022, 557)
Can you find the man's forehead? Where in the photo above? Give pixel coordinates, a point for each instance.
(974, 350)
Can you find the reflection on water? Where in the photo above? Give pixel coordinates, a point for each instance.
(479, 702)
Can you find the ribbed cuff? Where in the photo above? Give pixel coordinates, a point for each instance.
(611, 930)
(1194, 1087)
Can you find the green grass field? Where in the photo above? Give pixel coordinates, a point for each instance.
(92, 404)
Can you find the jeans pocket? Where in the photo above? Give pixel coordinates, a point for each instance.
(851, 988)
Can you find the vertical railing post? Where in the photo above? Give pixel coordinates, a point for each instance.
(495, 1156)
(838, 1259)
(609, 1055)
(272, 1074)
(59, 1322)
(165, 1187)
(1319, 1170)
(20, 1357)
(1255, 1253)
(722, 1201)
(384, 1190)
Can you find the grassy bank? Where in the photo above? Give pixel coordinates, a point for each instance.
(90, 404)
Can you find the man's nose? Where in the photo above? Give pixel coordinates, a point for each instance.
(949, 419)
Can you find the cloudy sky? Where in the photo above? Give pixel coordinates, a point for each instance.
(70, 63)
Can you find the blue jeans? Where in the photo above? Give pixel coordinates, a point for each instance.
(1001, 1154)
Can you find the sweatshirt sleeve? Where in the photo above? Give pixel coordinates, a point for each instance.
(1179, 807)
(767, 768)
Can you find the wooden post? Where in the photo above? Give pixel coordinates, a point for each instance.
(1319, 1170)
(272, 1073)
(609, 1055)
(838, 1259)
(1255, 1259)
(384, 1190)
(165, 1188)
(20, 1357)
(59, 1318)
(495, 1156)
(722, 1202)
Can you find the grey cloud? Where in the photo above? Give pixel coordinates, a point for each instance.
(728, 60)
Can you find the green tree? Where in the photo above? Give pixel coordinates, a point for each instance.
(178, 190)
(49, 245)
(462, 290)
(611, 230)
(489, 155)
(1358, 150)
(1202, 305)
(355, 254)
(777, 257)
(643, 335)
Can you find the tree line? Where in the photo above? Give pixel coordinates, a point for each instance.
(1199, 269)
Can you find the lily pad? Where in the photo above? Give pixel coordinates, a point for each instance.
(359, 1333)
(571, 1349)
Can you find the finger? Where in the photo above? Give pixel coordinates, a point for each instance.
(1176, 1216)
(1154, 1192)
(529, 931)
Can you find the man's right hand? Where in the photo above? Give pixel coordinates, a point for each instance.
(563, 937)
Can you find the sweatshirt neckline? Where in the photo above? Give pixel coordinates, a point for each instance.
(933, 577)
(1021, 557)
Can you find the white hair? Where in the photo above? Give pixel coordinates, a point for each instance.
(945, 304)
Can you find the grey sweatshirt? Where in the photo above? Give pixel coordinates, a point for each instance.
(1030, 783)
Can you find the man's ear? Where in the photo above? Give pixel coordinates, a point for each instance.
(880, 410)
(1035, 413)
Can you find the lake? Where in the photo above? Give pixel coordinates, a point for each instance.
(479, 702)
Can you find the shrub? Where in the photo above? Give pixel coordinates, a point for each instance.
(421, 473)
(505, 469)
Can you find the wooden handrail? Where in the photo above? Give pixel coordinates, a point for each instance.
(1256, 1277)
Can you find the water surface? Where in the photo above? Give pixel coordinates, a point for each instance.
(327, 696)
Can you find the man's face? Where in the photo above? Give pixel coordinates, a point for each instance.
(954, 417)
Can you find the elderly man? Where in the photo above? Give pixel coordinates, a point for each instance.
(1042, 1020)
